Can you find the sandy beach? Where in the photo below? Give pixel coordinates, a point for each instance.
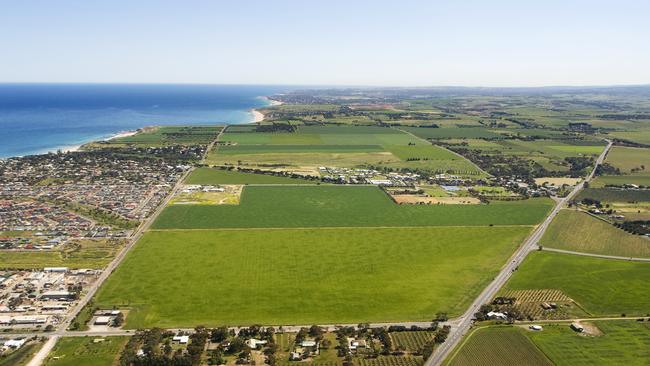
(121, 134)
(257, 115)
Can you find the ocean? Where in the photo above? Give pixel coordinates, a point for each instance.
(37, 118)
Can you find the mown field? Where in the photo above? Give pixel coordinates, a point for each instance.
(600, 286)
(580, 232)
(451, 132)
(209, 176)
(305, 276)
(630, 160)
(498, 346)
(82, 351)
(624, 342)
(343, 206)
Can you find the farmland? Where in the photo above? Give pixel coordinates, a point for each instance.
(84, 351)
(411, 341)
(615, 195)
(343, 206)
(498, 346)
(86, 254)
(630, 160)
(166, 135)
(624, 342)
(210, 176)
(304, 276)
(599, 286)
(578, 231)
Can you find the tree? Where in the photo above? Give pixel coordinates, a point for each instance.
(441, 317)
(118, 320)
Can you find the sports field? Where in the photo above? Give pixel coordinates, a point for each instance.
(623, 342)
(343, 206)
(209, 176)
(84, 351)
(580, 232)
(600, 286)
(305, 276)
(498, 346)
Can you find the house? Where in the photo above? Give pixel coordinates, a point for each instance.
(253, 343)
(308, 344)
(354, 344)
(496, 315)
(15, 343)
(295, 356)
(577, 327)
(102, 320)
(181, 339)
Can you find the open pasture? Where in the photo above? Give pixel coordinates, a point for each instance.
(210, 176)
(498, 346)
(630, 160)
(619, 180)
(343, 206)
(305, 276)
(624, 342)
(168, 135)
(279, 149)
(84, 351)
(608, 195)
(304, 159)
(452, 132)
(580, 232)
(602, 287)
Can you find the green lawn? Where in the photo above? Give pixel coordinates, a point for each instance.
(82, 351)
(305, 276)
(600, 286)
(580, 232)
(220, 176)
(624, 342)
(498, 346)
(343, 206)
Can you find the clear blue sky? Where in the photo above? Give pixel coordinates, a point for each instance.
(461, 42)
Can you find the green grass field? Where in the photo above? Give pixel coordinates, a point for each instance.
(88, 255)
(619, 180)
(343, 206)
(580, 232)
(601, 286)
(219, 176)
(274, 149)
(305, 276)
(614, 195)
(82, 351)
(167, 135)
(628, 158)
(452, 133)
(498, 346)
(22, 356)
(624, 342)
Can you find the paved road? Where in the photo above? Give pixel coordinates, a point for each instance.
(464, 322)
(40, 356)
(632, 259)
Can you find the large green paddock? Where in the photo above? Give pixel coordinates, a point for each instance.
(343, 206)
(624, 342)
(580, 232)
(601, 287)
(305, 276)
(220, 176)
(629, 158)
(609, 195)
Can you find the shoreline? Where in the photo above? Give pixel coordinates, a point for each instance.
(256, 115)
(259, 116)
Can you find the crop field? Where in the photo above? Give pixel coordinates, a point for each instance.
(624, 342)
(452, 132)
(619, 180)
(640, 136)
(411, 341)
(83, 351)
(390, 361)
(208, 176)
(498, 346)
(615, 195)
(629, 158)
(276, 149)
(343, 206)
(580, 232)
(166, 135)
(298, 160)
(305, 276)
(87, 254)
(601, 287)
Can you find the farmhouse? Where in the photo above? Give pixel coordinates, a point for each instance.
(496, 315)
(355, 344)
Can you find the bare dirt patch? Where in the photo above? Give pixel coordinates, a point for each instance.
(591, 330)
(412, 199)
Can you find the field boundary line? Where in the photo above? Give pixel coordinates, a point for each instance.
(603, 256)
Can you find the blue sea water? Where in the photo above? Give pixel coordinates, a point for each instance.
(37, 118)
